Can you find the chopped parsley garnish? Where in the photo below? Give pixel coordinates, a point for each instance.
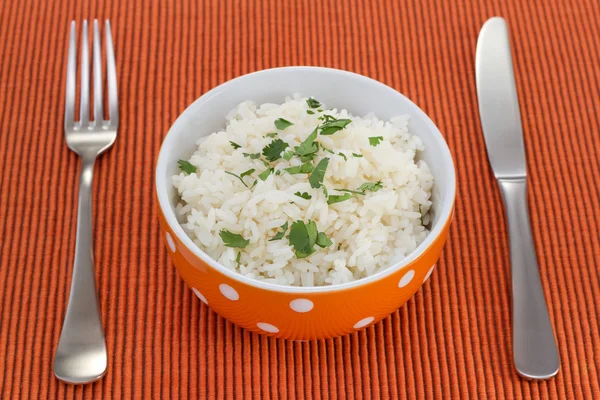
(233, 239)
(357, 155)
(287, 155)
(374, 140)
(350, 191)
(304, 195)
(252, 156)
(325, 190)
(265, 174)
(327, 118)
(281, 123)
(317, 176)
(238, 258)
(308, 149)
(326, 149)
(271, 135)
(329, 128)
(338, 199)
(371, 186)
(343, 156)
(305, 168)
(278, 172)
(243, 174)
(310, 112)
(234, 145)
(368, 186)
(312, 103)
(186, 166)
(240, 177)
(279, 235)
(273, 150)
(303, 237)
(323, 241)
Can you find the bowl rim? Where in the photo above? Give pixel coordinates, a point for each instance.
(169, 215)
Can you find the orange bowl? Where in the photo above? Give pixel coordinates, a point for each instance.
(303, 313)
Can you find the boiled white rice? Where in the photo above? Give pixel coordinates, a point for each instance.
(369, 232)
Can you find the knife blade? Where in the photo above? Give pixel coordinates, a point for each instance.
(535, 353)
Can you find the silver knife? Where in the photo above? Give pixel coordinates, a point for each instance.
(534, 347)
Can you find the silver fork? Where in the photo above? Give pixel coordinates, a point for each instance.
(81, 354)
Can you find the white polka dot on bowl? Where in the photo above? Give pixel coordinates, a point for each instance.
(429, 274)
(267, 327)
(363, 322)
(171, 243)
(407, 278)
(200, 296)
(301, 305)
(229, 292)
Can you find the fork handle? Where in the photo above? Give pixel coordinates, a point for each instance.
(81, 355)
(534, 347)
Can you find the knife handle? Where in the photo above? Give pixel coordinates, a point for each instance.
(534, 346)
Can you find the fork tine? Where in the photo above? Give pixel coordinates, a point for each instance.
(71, 74)
(84, 111)
(97, 58)
(113, 102)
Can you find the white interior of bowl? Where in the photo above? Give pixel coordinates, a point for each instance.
(336, 89)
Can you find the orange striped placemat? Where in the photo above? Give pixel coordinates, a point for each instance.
(452, 340)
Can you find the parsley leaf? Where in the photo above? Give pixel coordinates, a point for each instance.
(310, 112)
(303, 238)
(281, 123)
(329, 128)
(367, 186)
(338, 199)
(312, 103)
(238, 258)
(371, 186)
(305, 168)
(233, 239)
(287, 155)
(323, 241)
(308, 149)
(273, 150)
(357, 155)
(279, 235)
(325, 190)
(304, 195)
(186, 166)
(237, 176)
(326, 149)
(317, 176)
(234, 145)
(374, 140)
(272, 135)
(247, 172)
(252, 156)
(311, 228)
(343, 156)
(265, 174)
(327, 118)
(350, 191)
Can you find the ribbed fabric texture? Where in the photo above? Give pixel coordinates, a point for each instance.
(452, 340)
